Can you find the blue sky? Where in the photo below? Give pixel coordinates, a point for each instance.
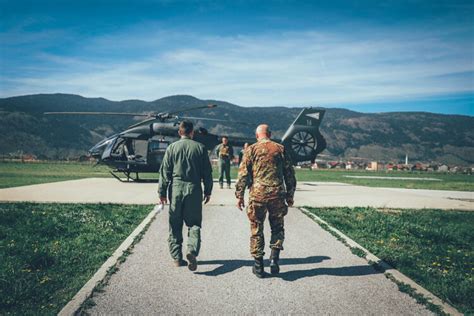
(369, 56)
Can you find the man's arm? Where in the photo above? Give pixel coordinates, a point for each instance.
(231, 152)
(206, 176)
(245, 170)
(290, 179)
(166, 174)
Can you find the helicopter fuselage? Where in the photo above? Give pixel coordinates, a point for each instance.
(141, 148)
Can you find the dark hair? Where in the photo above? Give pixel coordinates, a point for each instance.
(186, 127)
(225, 137)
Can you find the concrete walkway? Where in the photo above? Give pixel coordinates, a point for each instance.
(106, 190)
(318, 275)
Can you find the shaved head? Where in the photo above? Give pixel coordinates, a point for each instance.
(263, 131)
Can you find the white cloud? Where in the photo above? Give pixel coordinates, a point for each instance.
(294, 68)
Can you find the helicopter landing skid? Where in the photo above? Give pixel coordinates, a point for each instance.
(120, 179)
(130, 178)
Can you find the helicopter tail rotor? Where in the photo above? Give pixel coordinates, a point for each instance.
(303, 139)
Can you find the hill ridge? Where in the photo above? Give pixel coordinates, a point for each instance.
(386, 136)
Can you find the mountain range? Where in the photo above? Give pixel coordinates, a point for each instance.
(388, 136)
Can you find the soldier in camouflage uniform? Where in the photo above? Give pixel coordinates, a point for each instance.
(269, 170)
(225, 153)
(185, 164)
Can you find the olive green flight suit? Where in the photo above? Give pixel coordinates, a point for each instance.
(185, 164)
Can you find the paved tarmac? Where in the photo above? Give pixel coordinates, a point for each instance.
(108, 190)
(318, 275)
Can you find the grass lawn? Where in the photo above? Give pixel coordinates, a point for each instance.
(455, 182)
(49, 251)
(434, 247)
(13, 174)
(16, 174)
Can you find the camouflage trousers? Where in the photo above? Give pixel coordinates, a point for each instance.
(256, 212)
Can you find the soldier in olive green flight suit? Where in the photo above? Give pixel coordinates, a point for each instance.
(225, 153)
(269, 173)
(185, 164)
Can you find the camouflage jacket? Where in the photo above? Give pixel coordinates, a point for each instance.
(225, 152)
(267, 170)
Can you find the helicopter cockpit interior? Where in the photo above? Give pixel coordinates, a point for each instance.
(127, 149)
(139, 150)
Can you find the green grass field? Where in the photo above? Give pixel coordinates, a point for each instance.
(13, 174)
(456, 182)
(49, 251)
(433, 247)
(16, 174)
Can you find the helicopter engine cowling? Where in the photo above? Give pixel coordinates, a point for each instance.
(165, 129)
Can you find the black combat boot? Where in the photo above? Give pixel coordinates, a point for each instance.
(192, 262)
(180, 263)
(258, 268)
(274, 258)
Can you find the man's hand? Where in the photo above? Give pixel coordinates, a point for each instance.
(290, 201)
(206, 199)
(163, 200)
(240, 203)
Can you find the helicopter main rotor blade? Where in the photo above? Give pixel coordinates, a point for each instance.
(210, 119)
(209, 106)
(142, 122)
(99, 113)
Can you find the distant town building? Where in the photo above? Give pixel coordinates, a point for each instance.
(443, 168)
(28, 158)
(374, 166)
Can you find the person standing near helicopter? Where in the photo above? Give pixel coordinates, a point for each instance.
(185, 165)
(225, 153)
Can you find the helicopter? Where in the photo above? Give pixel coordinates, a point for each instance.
(141, 147)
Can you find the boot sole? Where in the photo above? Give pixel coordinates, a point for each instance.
(192, 262)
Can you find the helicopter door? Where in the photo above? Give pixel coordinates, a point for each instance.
(140, 151)
(156, 151)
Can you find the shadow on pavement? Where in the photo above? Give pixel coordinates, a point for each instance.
(338, 271)
(227, 266)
